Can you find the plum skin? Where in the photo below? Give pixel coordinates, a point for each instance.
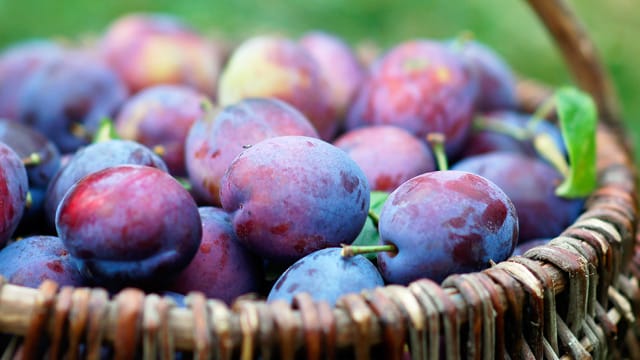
(421, 86)
(216, 139)
(30, 261)
(530, 183)
(93, 158)
(222, 268)
(129, 224)
(292, 195)
(445, 222)
(162, 115)
(14, 185)
(388, 155)
(326, 275)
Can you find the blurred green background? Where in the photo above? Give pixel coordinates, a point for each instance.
(508, 26)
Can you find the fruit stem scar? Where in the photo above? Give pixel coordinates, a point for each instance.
(32, 160)
(353, 250)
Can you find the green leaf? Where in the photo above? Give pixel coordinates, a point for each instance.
(578, 120)
(106, 131)
(369, 234)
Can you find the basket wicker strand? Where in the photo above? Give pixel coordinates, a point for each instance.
(577, 297)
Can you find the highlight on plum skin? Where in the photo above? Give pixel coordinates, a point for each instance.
(129, 224)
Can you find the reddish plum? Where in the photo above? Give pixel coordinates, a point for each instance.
(291, 195)
(129, 224)
(272, 66)
(422, 86)
(445, 222)
(152, 49)
(216, 139)
(14, 185)
(162, 116)
(339, 65)
(222, 268)
(326, 275)
(388, 155)
(93, 158)
(32, 260)
(67, 98)
(531, 184)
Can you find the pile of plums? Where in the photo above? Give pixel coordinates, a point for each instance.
(159, 158)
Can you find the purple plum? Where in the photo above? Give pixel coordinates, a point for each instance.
(14, 185)
(291, 195)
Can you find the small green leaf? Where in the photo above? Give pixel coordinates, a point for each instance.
(369, 234)
(578, 119)
(106, 131)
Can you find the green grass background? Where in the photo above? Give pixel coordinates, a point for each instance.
(509, 26)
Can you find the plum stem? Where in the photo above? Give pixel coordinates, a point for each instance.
(29, 200)
(159, 150)
(32, 160)
(80, 131)
(375, 219)
(106, 131)
(184, 182)
(547, 148)
(436, 140)
(542, 112)
(207, 106)
(487, 123)
(353, 250)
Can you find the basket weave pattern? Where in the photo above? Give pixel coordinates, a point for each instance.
(577, 297)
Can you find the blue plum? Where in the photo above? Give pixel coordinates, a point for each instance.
(222, 268)
(326, 275)
(14, 185)
(531, 184)
(388, 155)
(216, 139)
(93, 158)
(162, 116)
(422, 86)
(66, 98)
(30, 261)
(291, 195)
(445, 222)
(129, 224)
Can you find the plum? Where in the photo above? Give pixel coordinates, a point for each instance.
(216, 139)
(93, 158)
(388, 155)
(531, 184)
(17, 64)
(32, 260)
(66, 99)
(222, 268)
(148, 49)
(339, 65)
(14, 185)
(162, 115)
(274, 66)
(445, 222)
(326, 275)
(497, 82)
(422, 86)
(291, 195)
(129, 224)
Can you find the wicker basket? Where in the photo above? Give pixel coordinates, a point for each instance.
(575, 298)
